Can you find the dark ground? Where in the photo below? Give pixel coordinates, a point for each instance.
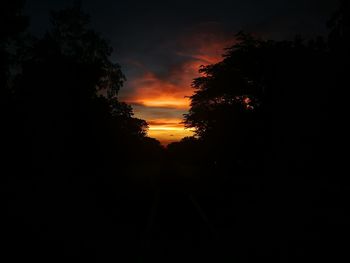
(175, 213)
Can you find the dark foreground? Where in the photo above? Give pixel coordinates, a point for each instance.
(174, 213)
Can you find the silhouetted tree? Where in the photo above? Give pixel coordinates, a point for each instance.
(12, 28)
(339, 44)
(339, 24)
(72, 143)
(188, 150)
(264, 98)
(12, 24)
(68, 93)
(269, 108)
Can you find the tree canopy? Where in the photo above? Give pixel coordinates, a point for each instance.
(263, 96)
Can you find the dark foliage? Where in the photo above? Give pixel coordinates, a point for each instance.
(69, 143)
(264, 98)
(270, 117)
(262, 179)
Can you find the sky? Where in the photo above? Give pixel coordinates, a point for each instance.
(161, 44)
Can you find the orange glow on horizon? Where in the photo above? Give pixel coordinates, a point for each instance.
(162, 96)
(168, 130)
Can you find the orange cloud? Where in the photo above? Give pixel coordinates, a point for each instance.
(152, 91)
(170, 89)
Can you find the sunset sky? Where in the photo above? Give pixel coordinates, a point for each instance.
(160, 95)
(161, 45)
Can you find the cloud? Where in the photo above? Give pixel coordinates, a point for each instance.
(205, 42)
(159, 91)
(151, 90)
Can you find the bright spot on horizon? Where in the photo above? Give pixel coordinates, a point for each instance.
(168, 131)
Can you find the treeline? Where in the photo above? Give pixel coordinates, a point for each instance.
(69, 147)
(59, 96)
(273, 106)
(76, 164)
(270, 146)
